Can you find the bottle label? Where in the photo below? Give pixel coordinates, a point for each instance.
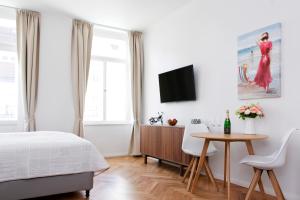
(227, 130)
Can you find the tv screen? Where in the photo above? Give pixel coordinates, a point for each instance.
(177, 85)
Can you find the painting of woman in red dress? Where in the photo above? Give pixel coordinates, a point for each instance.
(263, 76)
(259, 63)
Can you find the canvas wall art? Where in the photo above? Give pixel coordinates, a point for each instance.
(259, 63)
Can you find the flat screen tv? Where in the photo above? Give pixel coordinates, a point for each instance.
(177, 85)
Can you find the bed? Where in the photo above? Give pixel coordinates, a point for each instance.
(34, 164)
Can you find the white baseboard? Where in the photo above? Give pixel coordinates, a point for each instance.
(116, 154)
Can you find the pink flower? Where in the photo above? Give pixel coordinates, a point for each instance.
(257, 106)
(243, 108)
(254, 110)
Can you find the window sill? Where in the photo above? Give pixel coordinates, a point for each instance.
(9, 122)
(106, 123)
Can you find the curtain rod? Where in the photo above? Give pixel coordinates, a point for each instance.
(102, 25)
(9, 7)
(111, 27)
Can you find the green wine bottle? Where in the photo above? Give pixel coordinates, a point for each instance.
(227, 124)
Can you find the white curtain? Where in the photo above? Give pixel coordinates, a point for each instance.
(28, 44)
(82, 36)
(137, 65)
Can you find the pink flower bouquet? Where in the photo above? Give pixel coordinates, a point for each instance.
(249, 111)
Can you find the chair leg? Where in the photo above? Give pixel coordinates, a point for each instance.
(188, 169)
(192, 173)
(254, 182)
(210, 175)
(251, 152)
(275, 185)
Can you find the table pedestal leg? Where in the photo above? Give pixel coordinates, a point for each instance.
(227, 145)
(251, 152)
(225, 164)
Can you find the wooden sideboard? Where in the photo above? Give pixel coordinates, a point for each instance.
(164, 143)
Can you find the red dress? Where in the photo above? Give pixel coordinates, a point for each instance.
(263, 75)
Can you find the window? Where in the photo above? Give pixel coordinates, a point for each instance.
(108, 90)
(8, 66)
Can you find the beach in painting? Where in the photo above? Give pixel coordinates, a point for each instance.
(249, 56)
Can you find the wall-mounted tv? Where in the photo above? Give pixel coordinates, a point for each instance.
(177, 85)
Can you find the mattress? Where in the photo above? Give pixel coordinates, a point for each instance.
(25, 155)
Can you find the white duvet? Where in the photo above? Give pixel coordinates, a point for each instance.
(27, 155)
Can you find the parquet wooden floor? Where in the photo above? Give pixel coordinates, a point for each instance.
(130, 179)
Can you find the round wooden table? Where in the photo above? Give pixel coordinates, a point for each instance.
(227, 139)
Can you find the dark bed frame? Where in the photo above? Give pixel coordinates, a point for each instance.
(44, 186)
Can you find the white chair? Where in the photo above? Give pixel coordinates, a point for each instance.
(193, 146)
(268, 163)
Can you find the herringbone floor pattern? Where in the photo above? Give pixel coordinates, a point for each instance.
(130, 179)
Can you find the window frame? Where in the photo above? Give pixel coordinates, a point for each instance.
(105, 60)
(10, 14)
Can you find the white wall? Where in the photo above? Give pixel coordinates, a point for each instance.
(204, 33)
(111, 140)
(55, 110)
(55, 103)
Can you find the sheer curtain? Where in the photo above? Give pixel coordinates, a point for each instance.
(28, 44)
(137, 65)
(82, 36)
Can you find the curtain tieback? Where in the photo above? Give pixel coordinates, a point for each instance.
(30, 119)
(80, 119)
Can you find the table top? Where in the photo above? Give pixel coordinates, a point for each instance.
(229, 137)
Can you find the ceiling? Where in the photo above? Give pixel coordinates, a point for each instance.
(128, 14)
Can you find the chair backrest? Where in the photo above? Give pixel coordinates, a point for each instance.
(191, 143)
(280, 154)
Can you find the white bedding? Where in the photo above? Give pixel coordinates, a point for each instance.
(27, 155)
